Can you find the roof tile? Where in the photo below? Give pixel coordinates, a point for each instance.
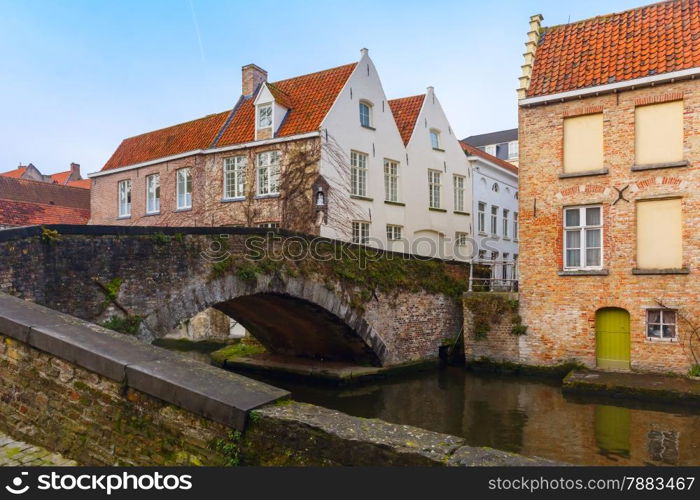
(405, 111)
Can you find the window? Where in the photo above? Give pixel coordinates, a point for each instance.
(494, 220)
(583, 236)
(365, 114)
(269, 225)
(506, 222)
(434, 187)
(435, 138)
(482, 255)
(265, 116)
(459, 193)
(481, 219)
(513, 150)
(124, 192)
(360, 232)
(461, 239)
(583, 143)
(268, 173)
(358, 173)
(234, 177)
(391, 180)
(491, 149)
(153, 194)
(184, 188)
(658, 133)
(661, 324)
(515, 226)
(393, 232)
(495, 187)
(659, 234)
(504, 266)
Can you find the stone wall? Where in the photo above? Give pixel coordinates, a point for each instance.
(103, 398)
(168, 275)
(560, 309)
(497, 343)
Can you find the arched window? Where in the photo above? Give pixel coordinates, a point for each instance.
(366, 114)
(495, 187)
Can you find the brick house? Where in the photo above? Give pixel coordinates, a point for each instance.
(325, 153)
(609, 131)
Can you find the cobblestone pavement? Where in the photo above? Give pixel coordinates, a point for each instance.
(18, 453)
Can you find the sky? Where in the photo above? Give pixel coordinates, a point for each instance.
(78, 76)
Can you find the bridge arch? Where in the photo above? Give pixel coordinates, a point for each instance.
(292, 316)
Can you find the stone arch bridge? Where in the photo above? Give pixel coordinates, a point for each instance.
(297, 294)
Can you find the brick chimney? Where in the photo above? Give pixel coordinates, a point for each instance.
(75, 171)
(253, 76)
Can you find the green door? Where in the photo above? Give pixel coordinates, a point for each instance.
(612, 327)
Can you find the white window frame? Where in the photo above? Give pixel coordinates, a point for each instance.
(494, 220)
(259, 115)
(582, 228)
(506, 222)
(360, 232)
(661, 324)
(458, 181)
(516, 228)
(461, 239)
(513, 150)
(183, 178)
(481, 217)
(124, 198)
(435, 139)
(368, 106)
(358, 173)
(269, 225)
(153, 194)
(235, 168)
(391, 180)
(267, 173)
(434, 188)
(490, 149)
(394, 232)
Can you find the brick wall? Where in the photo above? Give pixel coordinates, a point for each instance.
(560, 310)
(499, 343)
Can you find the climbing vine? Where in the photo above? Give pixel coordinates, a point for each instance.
(488, 309)
(230, 448)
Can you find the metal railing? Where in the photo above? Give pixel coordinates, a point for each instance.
(502, 276)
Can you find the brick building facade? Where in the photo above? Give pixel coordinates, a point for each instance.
(609, 183)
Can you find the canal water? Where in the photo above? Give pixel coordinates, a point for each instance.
(518, 414)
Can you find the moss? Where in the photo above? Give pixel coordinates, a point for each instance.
(111, 289)
(489, 308)
(160, 239)
(230, 448)
(124, 324)
(236, 350)
(694, 371)
(50, 236)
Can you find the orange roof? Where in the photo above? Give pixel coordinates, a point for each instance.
(25, 202)
(645, 41)
(309, 97)
(61, 177)
(16, 173)
(82, 183)
(405, 111)
(20, 213)
(195, 134)
(471, 150)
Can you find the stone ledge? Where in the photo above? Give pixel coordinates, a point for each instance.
(585, 272)
(587, 173)
(201, 389)
(642, 272)
(657, 166)
(303, 434)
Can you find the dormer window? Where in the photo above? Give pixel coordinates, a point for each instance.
(365, 114)
(265, 116)
(435, 138)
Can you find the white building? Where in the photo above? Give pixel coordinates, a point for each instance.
(495, 209)
(502, 144)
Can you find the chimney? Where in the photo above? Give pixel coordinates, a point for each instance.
(253, 76)
(363, 52)
(75, 171)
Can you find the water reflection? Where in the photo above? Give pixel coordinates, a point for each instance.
(520, 415)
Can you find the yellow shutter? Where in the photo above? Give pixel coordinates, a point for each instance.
(583, 143)
(658, 133)
(659, 234)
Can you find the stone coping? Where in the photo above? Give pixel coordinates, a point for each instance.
(202, 389)
(640, 386)
(18, 233)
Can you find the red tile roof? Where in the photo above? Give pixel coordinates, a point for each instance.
(641, 42)
(405, 111)
(471, 150)
(61, 177)
(309, 97)
(25, 202)
(82, 183)
(15, 174)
